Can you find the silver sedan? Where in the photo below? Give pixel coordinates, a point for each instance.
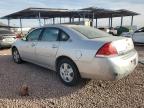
(76, 52)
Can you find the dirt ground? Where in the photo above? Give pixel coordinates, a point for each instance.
(46, 91)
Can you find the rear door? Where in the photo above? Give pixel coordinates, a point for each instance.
(139, 36)
(28, 47)
(47, 47)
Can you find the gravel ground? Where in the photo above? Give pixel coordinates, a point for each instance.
(46, 91)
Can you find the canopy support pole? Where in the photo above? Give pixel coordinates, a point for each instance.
(60, 20)
(69, 19)
(121, 21)
(53, 20)
(83, 17)
(8, 23)
(132, 21)
(44, 21)
(93, 20)
(64, 19)
(79, 19)
(39, 19)
(96, 22)
(73, 19)
(111, 22)
(21, 25)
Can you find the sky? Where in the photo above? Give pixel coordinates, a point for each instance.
(11, 6)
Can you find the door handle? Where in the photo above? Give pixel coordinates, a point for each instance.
(54, 46)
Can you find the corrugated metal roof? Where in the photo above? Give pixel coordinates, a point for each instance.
(33, 13)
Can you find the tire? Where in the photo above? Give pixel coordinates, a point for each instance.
(0, 46)
(16, 56)
(68, 72)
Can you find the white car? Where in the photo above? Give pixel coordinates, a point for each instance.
(137, 36)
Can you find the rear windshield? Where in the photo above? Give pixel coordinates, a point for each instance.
(5, 32)
(90, 32)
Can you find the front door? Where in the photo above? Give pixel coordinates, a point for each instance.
(28, 48)
(47, 47)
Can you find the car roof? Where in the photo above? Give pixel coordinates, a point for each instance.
(60, 25)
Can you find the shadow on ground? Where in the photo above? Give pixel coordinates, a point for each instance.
(47, 90)
(43, 83)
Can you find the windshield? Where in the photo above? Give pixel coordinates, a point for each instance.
(90, 32)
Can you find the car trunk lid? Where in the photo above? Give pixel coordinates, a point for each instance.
(121, 44)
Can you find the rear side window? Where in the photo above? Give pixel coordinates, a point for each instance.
(90, 32)
(50, 34)
(63, 36)
(34, 35)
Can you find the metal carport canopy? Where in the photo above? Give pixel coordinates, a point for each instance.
(48, 13)
(35, 13)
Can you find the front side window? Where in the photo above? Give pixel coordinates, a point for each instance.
(34, 35)
(50, 34)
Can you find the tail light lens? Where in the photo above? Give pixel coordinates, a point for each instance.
(107, 50)
(18, 36)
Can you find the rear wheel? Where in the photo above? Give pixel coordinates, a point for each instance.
(68, 72)
(16, 56)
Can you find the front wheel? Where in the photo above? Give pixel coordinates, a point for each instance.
(16, 56)
(68, 72)
(0, 47)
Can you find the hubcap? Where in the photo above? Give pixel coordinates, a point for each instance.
(16, 55)
(66, 72)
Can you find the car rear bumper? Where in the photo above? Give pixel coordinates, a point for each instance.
(113, 68)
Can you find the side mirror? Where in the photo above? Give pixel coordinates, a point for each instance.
(24, 39)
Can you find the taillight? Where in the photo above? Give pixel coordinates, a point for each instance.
(18, 36)
(107, 50)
